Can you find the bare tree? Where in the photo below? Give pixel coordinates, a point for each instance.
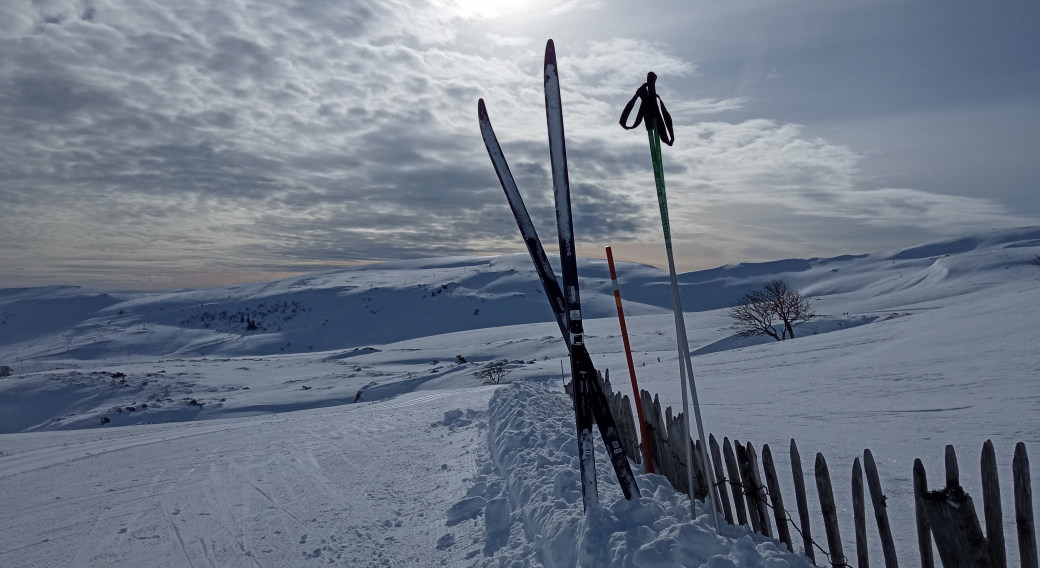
(789, 304)
(493, 372)
(5, 371)
(757, 312)
(753, 315)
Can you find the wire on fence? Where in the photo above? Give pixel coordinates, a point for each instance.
(753, 495)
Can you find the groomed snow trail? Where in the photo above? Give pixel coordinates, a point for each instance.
(361, 485)
(539, 521)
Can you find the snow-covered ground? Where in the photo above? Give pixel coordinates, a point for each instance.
(329, 418)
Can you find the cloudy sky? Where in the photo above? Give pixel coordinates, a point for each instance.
(150, 144)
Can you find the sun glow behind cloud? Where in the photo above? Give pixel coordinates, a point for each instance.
(492, 8)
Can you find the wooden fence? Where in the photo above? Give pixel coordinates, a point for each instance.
(946, 515)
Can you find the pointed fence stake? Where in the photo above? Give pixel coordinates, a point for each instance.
(924, 528)
(955, 527)
(799, 497)
(879, 501)
(747, 483)
(716, 458)
(774, 495)
(1024, 508)
(859, 515)
(759, 491)
(734, 482)
(991, 507)
(953, 474)
(830, 511)
(700, 477)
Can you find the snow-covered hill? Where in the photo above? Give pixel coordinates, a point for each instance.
(396, 301)
(327, 440)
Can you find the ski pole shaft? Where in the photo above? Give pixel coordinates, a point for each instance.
(685, 364)
(631, 365)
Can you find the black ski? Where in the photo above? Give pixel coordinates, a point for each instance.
(523, 219)
(583, 373)
(589, 399)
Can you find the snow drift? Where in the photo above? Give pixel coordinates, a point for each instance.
(533, 447)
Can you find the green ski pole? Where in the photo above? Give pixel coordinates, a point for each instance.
(655, 118)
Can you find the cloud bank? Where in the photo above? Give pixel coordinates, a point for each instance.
(144, 140)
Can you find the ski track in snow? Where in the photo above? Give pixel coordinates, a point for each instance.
(363, 486)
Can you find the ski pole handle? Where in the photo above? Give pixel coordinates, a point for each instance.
(651, 110)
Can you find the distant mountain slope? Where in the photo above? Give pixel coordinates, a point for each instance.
(394, 301)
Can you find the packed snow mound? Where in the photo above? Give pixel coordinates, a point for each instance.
(533, 503)
(397, 301)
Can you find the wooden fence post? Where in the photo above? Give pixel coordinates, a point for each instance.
(924, 529)
(779, 513)
(734, 482)
(991, 507)
(953, 474)
(830, 511)
(1024, 508)
(759, 491)
(716, 458)
(631, 425)
(748, 485)
(676, 434)
(799, 497)
(955, 526)
(662, 435)
(662, 440)
(879, 501)
(859, 516)
(700, 474)
(652, 409)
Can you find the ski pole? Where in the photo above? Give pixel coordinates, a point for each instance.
(655, 118)
(631, 365)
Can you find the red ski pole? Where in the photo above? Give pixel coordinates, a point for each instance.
(631, 366)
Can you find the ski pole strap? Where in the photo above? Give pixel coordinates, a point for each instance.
(651, 110)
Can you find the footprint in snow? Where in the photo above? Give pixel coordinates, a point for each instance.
(303, 539)
(445, 541)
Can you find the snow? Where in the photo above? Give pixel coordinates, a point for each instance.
(915, 349)
(277, 490)
(534, 450)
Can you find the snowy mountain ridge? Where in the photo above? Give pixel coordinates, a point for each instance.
(400, 300)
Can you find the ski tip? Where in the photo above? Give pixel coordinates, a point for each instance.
(481, 109)
(550, 54)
